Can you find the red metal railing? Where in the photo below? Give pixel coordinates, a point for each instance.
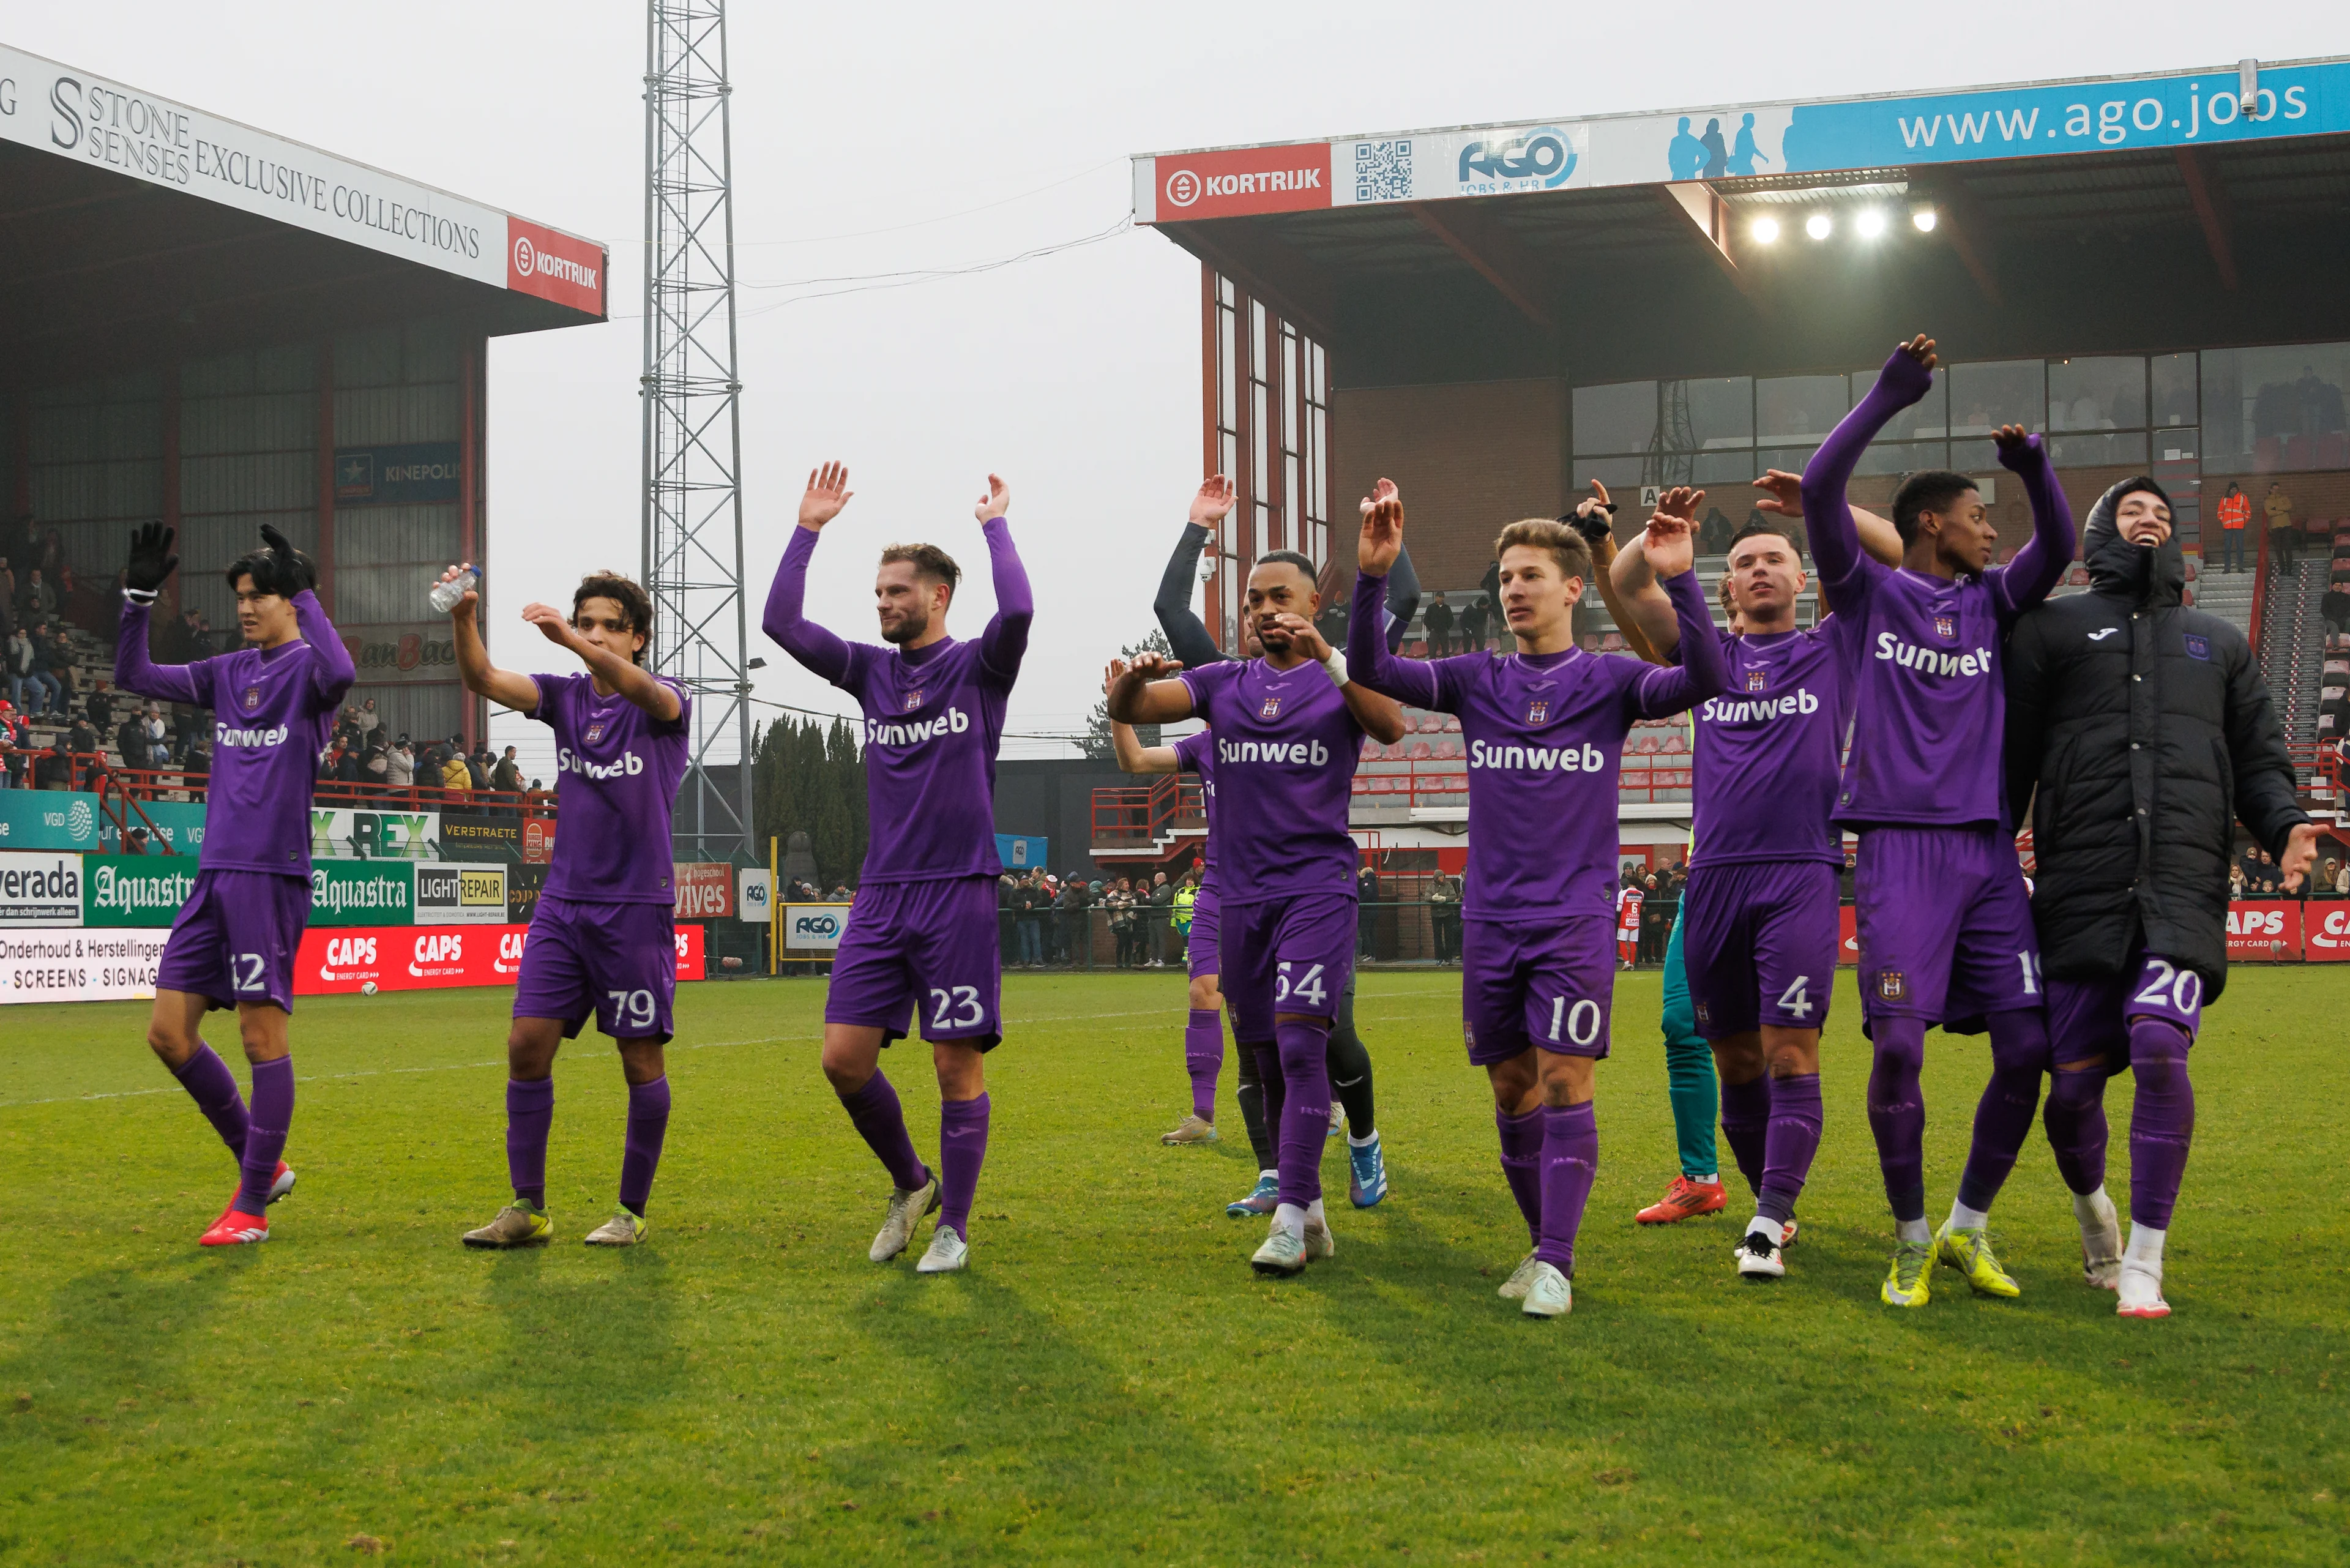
(1147, 816)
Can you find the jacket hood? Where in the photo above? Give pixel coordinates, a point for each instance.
(2117, 567)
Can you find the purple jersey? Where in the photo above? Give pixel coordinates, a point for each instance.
(617, 769)
(1929, 701)
(272, 714)
(933, 720)
(1197, 755)
(1770, 747)
(1286, 746)
(1545, 733)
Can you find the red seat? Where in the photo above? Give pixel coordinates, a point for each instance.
(1422, 752)
(1676, 745)
(1370, 750)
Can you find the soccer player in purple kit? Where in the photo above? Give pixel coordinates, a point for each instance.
(1945, 928)
(602, 941)
(235, 942)
(922, 932)
(2142, 732)
(1759, 915)
(1288, 732)
(1545, 728)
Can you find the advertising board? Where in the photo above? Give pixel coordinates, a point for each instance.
(2327, 926)
(40, 888)
(477, 835)
(64, 964)
(137, 889)
(362, 892)
(2264, 930)
(371, 958)
(342, 833)
(460, 894)
(815, 928)
(750, 895)
(705, 891)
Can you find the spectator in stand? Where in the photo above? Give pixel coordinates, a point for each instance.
(2334, 609)
(399, 766)
(1119, 901)
(369, 722)
(2236, 885)
(59, 648)
(1438, 619)
(83, 741)
(375, 765)
(478, 765)
(38, 680)
(99, 706)
(2285, 539)
(1367, 894)
(456, 777)
(130, 741)
(13, 760)
(2266, 880)
(55, 768)
(1161, 904)
(159, 749)
(1027, 905)
(330, 760)
(1444, 918)
(1472, 625)
(24, 693)
(506, 778)
(2329, 876)
(196, 762)
(38, 601)
(135, 841)
(2235, 511)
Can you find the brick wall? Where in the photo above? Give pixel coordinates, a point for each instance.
(1469, 458)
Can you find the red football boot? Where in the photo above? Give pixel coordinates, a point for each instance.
(235, 1228)
(1684, 1199)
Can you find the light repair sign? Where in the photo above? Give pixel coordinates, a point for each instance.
(461, 893)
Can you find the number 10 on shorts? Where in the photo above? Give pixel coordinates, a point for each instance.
(1580, 1021)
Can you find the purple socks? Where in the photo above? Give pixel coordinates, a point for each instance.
(213, 1088)
(2074, 1118)
(1304, 1046)
(1570, 1159)
(1522, 1148)
(962, 1149)
(2019, 1055)
(530, 1110)
(264, 1140)
(874, 1111)
(648, 1125)
(1897, 1112)
(1789, 1144)
(1203, 1058)
(1745, 1124)
(2162, 1121)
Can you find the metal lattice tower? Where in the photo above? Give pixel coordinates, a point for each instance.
(693, 432)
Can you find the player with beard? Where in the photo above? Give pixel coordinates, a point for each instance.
(1545, 729)
(1945, 928)
(602, 943)
(235, 942)
(2147, 731)
(923, 931)
(1288, 732)
(1758, 927)
(1351, 1078)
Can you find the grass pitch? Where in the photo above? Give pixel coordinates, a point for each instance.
(1110, 1383)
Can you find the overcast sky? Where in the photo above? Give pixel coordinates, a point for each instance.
(973, 132)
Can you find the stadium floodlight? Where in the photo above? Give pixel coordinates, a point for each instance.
(1923, 218)
(1819, 225)
(1871, 223)
(1766, 230)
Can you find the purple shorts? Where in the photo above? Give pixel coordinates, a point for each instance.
(236, 938)
(932, 943)
(1945, 926)
(1759, 941)
(617, 961)
(1200, 948)
(1288, 955)
(2089, 1020)
(1550, 983)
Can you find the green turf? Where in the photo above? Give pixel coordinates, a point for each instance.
(1110, 1383)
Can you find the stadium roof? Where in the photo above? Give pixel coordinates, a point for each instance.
(1563, 218)
(128, 220)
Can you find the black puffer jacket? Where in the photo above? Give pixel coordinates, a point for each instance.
(2147, 730)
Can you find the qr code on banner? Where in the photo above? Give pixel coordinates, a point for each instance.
(1382, 170)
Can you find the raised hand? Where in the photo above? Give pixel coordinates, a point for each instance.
(464, 606)
(2014, 442)
(1783, 494)
(995, 502)
(828, 492)
(152, 561)
(1110, 672)
(1593, 514)
(293, 566)
(1679, 503)
(2300, 854)
(1670, 541)
(1297, 636)
(553, 623)
(1382, 538)
(1919, 350)
(1152, 666)
(1214, 500)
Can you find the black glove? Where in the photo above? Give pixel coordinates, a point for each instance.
(152, 561)
(295, 570)
(1592, 523)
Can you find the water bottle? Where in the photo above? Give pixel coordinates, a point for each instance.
(445, 595)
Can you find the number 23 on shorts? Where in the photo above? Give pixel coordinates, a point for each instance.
(956, 1007)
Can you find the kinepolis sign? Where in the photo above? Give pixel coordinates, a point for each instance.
(74, 114)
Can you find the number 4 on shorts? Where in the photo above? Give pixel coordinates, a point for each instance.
(1796, 1002)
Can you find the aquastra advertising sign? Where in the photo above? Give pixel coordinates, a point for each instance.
(362, 892)
(40, 888)
(2185, 109)
(106, 124)
(136, 890)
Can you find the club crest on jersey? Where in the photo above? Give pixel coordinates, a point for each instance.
(1538, 711)
(1758, 680)
(252, 698)
(1946, 626)
(595, 733)
(1271, 708)
(1704, 1014)
(911, 700)
(1890, 986)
